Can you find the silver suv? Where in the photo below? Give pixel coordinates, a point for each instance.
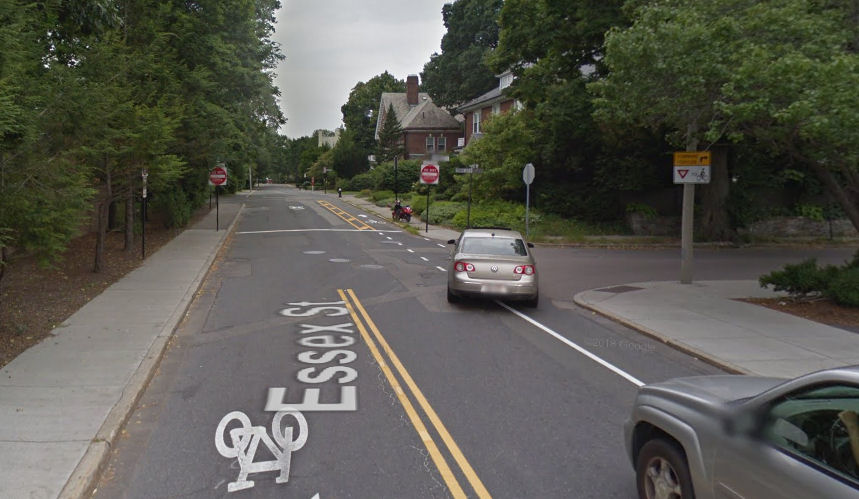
(747, 437)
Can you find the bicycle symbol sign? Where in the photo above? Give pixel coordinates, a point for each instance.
(245, 440)
(691, 174)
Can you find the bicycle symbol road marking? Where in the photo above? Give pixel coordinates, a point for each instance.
(246, 439)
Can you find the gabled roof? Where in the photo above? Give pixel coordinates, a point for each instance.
(424, 116)
(491, 97)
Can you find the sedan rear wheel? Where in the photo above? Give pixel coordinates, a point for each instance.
(662, 472)
(452, 298)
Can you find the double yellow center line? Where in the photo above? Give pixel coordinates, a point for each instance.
(354, 222)
(354, 306)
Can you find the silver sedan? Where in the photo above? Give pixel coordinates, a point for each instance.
(747, 437)
(492, 263)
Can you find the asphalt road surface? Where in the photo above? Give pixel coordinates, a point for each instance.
(321, 360)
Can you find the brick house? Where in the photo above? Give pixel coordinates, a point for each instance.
(478, 110)
(429, 132)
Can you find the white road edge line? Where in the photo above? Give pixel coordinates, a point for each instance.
(410, 250)
(424, 258)
(611, 367)
(441, 245)
(443, 270)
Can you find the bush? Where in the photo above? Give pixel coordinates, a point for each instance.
(494, 214)
(844, 288)
(442, 212)
(381, 197)
(800, 280)
(174, 205)
(360, 182)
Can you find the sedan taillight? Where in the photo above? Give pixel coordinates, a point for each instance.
(463, 267)
(525, 270)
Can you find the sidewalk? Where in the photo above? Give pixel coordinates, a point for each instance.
(63, 401)
(705, 320)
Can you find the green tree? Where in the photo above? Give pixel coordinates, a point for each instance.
(778, 73)
(43, 192)
(347, 158)
(362, 108)
(459, 73)
(390, 143)
(554, 49)
(508, 144)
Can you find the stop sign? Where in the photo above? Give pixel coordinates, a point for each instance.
(218, 176)
(429, 174)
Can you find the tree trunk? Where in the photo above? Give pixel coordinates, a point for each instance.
(715, 222)
(101, 231)
(842, 196)
(129, 215)
(4, 260)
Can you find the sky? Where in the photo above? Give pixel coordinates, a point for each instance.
(331, 45)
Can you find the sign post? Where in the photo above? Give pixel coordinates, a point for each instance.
(527, 177)
(144, 174)
(471, 169)
(690, 168)
(218, 177)
(429, 176)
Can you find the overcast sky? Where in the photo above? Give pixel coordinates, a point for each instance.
(331, 45)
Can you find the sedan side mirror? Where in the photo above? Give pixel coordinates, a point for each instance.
(530, 245)
(451, 241)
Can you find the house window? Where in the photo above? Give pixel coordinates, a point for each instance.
(496, 108)
(430, 143)
(475, 124)
(442, 144)
(506, 80)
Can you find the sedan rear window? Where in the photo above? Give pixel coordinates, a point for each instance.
(498, 246)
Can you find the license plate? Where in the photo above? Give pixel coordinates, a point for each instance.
(493, 288)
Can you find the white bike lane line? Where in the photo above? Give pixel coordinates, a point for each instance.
(608, 365)
(355, 306)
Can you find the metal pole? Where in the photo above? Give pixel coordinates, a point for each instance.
(217, 209)
(527, 206)
(143, 229)
(686, 234)
(144, 175)
(395, 180)
(468, 212)
(428, 189)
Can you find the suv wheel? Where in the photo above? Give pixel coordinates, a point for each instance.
(661, 472)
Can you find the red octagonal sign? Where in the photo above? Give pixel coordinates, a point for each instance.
(429, 174)
(218, 176)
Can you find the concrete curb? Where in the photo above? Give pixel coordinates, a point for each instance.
(88, 471)
(694, 352)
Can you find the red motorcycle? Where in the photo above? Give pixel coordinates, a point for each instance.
(402, 213)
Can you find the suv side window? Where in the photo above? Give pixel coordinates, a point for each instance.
(820, 426)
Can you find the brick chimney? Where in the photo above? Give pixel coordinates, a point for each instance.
(412, 90)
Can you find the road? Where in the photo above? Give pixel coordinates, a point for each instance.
(333, 324)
